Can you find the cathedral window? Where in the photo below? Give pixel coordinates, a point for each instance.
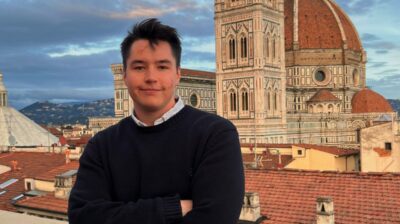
(245, 100)
(233, 100)
(269, 100)
(194, 100)
(275, 101)
(320, 76)
(267, 47)
(232, 49)
(274, 48)
(243, 47)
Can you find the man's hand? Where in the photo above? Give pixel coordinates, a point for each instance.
(186, 206)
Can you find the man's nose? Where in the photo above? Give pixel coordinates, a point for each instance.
(150, 74)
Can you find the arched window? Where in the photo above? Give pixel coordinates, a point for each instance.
(311, 109)
(320, 108)
(245, 100)
(267, 47)
(233, 100)
(274, 48)
(243, 47)
(269, 98)
(330, 108)
(232, 49)
(275, 101)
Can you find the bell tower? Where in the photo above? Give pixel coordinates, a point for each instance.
(250, 68)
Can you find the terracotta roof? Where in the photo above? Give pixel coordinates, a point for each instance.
(323, 95)
(30, 164)
(80, 141)
(51, 174)
(368, 101)
(330, 149)
(54, 131)
(197, 73)
(46, 203)
(382, 152)
(266, 145)
(318, 27)
(288, 196)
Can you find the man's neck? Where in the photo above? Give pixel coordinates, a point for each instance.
(149, 117)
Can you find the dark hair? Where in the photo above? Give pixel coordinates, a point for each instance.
(153, 31)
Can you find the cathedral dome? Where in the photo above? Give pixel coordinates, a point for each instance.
(368, 101)
(318, 24)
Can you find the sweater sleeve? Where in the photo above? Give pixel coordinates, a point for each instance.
(218, 182)
(90, 200)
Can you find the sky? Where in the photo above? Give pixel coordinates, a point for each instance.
(61, 50)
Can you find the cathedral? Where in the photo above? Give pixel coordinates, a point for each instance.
(287, 71)
(293, 71)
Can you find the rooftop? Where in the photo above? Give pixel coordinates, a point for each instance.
(289, 196)
(323, 95)
(330, 149)
(322, 24)
(30, 164)
(368, 101)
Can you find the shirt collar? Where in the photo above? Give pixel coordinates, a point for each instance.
(179, 105)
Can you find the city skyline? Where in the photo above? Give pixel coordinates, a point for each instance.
(62, 52)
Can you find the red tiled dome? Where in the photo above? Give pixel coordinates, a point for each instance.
(322, 24)
(323, 95)
(368, 101)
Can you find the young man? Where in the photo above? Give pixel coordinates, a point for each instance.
(167, 163)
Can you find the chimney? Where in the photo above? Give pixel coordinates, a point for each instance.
(63, 184)
(67, 159)
(325, 210)
(14, 165)
(251, 211)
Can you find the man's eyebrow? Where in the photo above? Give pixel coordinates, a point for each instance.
(165, 61)
(137, 62)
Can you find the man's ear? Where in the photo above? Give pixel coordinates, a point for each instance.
(178, 73)
(124, 74)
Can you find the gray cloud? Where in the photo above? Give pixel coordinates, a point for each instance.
(387, 85)
(31, 31)
(382, 51)
(367, 37)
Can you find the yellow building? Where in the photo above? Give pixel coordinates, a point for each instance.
(381, 152)
(300, 156)
(316, 157)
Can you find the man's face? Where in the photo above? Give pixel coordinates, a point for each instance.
(151, 76)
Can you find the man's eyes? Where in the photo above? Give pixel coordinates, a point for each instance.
(142, 68)
(162, 67)
(138, 68)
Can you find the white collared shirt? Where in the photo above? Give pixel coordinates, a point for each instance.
(179, 105)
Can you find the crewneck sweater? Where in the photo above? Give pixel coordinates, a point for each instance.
(138, 175)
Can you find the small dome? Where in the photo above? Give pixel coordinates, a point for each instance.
(323, 95)
(368, 101)
(321, 24)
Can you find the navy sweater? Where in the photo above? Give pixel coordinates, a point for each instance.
(138, 175)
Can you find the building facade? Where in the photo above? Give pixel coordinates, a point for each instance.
(250, 72)
(381, 153)
(293, 71)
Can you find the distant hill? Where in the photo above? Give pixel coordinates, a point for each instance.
(395, 105)
(68, 113)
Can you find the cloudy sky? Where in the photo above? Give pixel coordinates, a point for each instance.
(61, 50)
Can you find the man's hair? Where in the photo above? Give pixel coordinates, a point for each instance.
(153, 31)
